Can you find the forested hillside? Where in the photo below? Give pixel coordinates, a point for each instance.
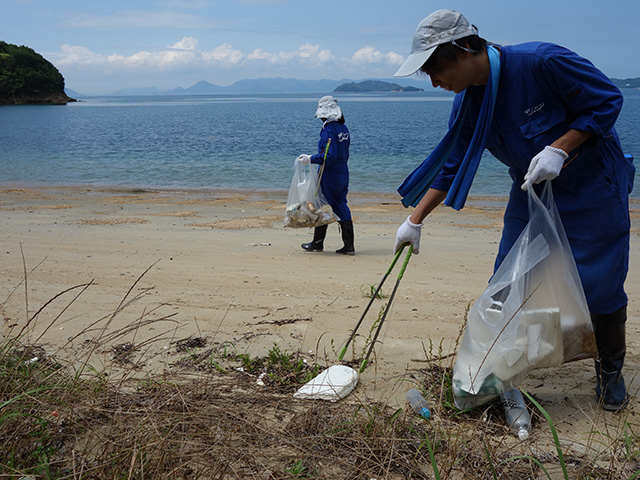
(373, 86)
(27, 77)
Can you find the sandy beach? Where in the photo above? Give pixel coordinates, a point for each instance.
(220, 265)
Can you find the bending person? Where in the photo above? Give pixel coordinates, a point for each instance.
(548, 114)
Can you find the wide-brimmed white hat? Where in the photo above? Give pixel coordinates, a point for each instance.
(442, 26)
(328, 108)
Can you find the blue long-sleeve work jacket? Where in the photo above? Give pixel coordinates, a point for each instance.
(335, 178)
(544, 91)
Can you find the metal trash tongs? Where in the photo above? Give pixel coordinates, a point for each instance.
(387, 308)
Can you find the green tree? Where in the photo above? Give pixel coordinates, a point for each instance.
(26, 76)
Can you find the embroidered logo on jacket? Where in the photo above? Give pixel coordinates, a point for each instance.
(531, 110)
(343, 136)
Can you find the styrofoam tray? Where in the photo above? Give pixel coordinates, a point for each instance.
(332, 384)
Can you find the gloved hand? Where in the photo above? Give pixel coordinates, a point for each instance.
(408, 233)
(544, 166)
(304, 159)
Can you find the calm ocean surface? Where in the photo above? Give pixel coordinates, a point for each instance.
(235, 142)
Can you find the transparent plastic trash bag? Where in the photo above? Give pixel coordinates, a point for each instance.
(306, 205)
(533, 313)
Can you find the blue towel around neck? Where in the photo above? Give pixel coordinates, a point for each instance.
(418, 182)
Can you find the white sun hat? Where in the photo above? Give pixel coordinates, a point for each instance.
(442, 26)
(328, 108)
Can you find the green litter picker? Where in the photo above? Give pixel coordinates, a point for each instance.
(338, 381)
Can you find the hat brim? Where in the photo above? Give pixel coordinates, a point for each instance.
(333, 112)
(413, 63)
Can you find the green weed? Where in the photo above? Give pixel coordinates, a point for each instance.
(281, 367)
(300, 470)
(369, 291)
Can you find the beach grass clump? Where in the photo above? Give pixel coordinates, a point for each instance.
(28, 382)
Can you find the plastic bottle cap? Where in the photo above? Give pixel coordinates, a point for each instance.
(523, 434)
(424, 412)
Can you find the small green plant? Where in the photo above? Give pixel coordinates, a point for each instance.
(432, 457)
(556, 440)
(369, 291)
(372, 330)
(213, 364)
(281, 367)
(300, 470)
(225, 346)
(630, 443)
(245, 359)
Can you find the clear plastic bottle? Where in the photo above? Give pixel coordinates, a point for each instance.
(516, 413)
(418, 403)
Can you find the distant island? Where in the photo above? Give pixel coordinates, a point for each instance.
(372, 86)
(320, 87)
(27, 77)
(627, 82)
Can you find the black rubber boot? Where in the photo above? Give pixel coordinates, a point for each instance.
(317, 244)
(347, 238)
(609, 330)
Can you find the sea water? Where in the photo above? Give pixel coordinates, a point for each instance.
(235, 141)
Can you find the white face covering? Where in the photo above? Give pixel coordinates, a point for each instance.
(328, 108)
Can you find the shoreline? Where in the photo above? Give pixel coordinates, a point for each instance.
(353, 196)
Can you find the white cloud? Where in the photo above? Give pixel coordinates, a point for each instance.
(74, 55)
(369, 55)
(183, 62)
(260, 55)
(224, 56)
(167, 60)
(82, 58)
(307, 54)
(185, 53)
(187, 43)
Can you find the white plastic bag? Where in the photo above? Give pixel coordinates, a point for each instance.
(306, 205)
(533, 313)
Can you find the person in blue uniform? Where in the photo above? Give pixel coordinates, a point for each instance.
(335, 176)
(553, 119)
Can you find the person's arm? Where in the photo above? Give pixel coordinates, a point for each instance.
(571, 140)
(326, 134)
(591, 99)
(548, 164)
(429, 202)
(410, 231)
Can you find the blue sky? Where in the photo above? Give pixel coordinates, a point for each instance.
(102, 46)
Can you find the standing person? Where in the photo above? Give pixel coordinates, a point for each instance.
(547, 114)
(335, 177)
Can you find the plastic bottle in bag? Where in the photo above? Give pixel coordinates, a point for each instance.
(516, 413)
(418, 403)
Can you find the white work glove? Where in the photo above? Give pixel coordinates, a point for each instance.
(544, 166)
(304, 159)
(408, 233)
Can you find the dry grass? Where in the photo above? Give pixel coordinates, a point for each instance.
(205, 418)
(216, 425)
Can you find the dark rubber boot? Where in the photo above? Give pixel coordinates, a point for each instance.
(347, 238)
(609, 330)
(317, 244)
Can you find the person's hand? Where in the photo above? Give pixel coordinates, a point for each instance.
(304, 159)
(544, 166)
(408, 233)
